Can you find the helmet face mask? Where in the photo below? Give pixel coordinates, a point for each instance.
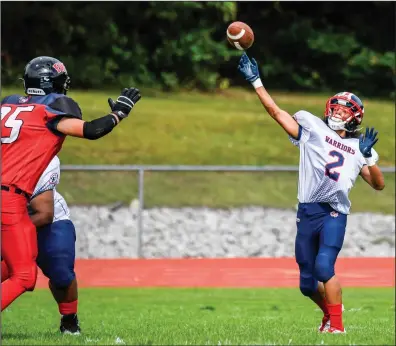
(344, 111)
(44, 75)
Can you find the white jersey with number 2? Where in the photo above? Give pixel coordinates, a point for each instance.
(48, 181)
(329, 164)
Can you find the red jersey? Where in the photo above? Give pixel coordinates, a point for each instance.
(29, 139)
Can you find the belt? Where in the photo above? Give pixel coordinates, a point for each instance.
(16, 190)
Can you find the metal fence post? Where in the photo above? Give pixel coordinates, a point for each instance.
(140, 214)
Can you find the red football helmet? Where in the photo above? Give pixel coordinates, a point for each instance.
(353, 112)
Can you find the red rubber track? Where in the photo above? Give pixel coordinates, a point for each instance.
(230, 272)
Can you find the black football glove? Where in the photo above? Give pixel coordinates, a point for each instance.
(125, 102)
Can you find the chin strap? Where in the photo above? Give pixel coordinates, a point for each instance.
(336, 125)
(339, 125)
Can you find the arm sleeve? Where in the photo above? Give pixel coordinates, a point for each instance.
(100, 127)
(4, 100)
(49, 179)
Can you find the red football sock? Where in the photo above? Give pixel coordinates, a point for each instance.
(335, 311)
(68, 308)
(4, 271)
(323, 305)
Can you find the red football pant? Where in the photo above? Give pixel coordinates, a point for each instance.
(18, 247)
(4, 271)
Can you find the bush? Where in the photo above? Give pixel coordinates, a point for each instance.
(172, 45)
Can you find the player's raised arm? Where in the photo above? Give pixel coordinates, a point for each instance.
(100, 127)
(370, 172)
(250, 71)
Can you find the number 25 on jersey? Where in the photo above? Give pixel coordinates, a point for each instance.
(10, 125)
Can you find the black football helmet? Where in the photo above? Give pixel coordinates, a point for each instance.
(354, 108)
(44, 75)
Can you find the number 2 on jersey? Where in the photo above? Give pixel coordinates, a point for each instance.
(11, 122)
(340, 161)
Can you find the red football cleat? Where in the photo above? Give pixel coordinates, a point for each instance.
(325, 324)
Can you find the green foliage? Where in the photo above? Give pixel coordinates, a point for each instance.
(169, 45)
(173, 45)
(324, 48)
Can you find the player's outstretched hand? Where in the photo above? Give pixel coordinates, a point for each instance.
(367, 141)
(249, 69)
(125, 102)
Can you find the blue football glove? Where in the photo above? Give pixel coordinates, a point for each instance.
(367, 141)
(249, 69)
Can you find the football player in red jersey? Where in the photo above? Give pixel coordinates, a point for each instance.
(33, 129)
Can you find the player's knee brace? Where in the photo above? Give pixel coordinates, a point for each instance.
(308, 286)
(324, 267)
(61, 276)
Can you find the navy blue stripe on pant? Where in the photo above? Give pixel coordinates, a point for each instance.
(56, 252)
(319, 239)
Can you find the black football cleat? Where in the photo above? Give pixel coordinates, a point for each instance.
(69, 325)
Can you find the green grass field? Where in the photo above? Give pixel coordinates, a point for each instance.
(200, 317)
(228, 128)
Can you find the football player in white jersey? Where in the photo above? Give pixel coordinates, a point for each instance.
(56, 245)
(332, 155)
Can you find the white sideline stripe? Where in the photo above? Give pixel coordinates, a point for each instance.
(236, 37)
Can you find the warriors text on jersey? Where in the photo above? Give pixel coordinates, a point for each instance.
(329, 164)
(48, 181)
(29, 139)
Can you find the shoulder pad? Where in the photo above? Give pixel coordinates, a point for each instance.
(14, 99)
(66, 106)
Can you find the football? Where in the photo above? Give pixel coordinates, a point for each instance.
(240, 35)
